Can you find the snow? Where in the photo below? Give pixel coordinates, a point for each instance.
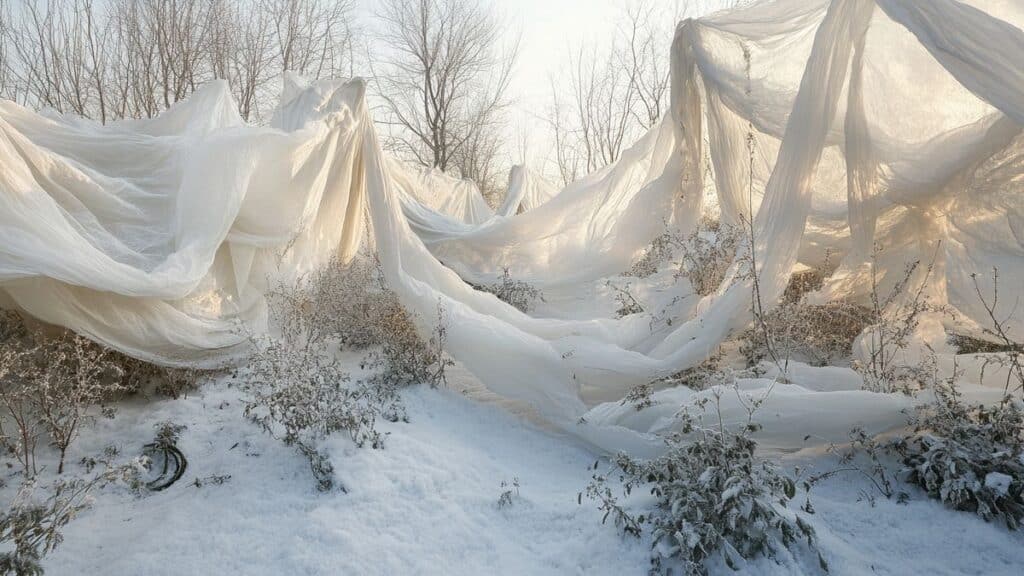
(425, 504)
(428, 504)
(998, 482)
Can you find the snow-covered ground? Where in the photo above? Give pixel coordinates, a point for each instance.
(428, 504)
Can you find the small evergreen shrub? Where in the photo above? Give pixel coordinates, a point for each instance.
(971, 458)
(714, 497)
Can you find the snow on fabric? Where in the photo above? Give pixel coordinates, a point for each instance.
(841, 123)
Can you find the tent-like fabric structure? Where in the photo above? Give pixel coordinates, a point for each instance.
(840, 124)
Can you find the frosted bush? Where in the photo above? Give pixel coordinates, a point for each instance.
(301, 395)
(140, 376)
(969, 457)
(702, 376)
(405, 358)
(639, 396)
(627, 302)
(352, 304)
(819, 334)
(707, 254)
(53, 389)
(714, 498)
(516, 293)
(703, 256)
(31, 526)
(296, 389)
(75, 377)
(658, 253)
(1009, 352)
(349, 302)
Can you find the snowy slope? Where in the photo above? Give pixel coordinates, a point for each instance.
(428, 504)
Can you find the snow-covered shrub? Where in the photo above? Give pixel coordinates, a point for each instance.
(864, 455)
(352, 304)
(702, 256)
(20, 428)
(52, 388)
(1005, 351)
(32, 524)
(75, 376)
(301, 395)
(969, 457)
(704, 375)
(509, 492)
(714, 498)
(707, 254)
(517, 293)
(628, 304)
(347, 302)
(804, 282)
(405, 358)
(820, 334)
(296, 388)
(659, 252)
(639, 396)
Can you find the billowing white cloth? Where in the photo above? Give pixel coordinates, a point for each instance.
(840, 123)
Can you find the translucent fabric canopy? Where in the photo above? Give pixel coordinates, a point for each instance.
(841, 124)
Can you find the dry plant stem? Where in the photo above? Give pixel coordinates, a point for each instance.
(999, 331)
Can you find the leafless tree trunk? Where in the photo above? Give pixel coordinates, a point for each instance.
(443, 78)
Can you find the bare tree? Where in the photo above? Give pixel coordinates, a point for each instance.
(110, 59)
(242, 51)
(443, 79)
(613, 96)
(8, 87)
(312, 36)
